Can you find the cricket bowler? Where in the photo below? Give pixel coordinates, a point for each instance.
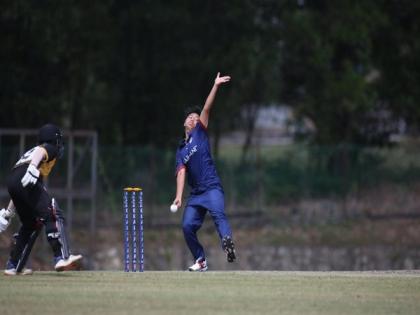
(194, 161)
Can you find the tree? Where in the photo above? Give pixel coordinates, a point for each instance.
(396, 50)
(328, 56)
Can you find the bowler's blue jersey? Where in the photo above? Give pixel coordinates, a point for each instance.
(194, 155)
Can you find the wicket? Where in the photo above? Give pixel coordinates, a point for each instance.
(133, 229)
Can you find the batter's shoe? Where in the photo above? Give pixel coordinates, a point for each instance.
(11, 270)
(229, 248)
(200, 265)
(71, 263)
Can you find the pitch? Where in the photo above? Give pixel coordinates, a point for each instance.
(238, 292)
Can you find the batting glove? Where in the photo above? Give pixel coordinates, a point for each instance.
(5, 218)
(31, 176)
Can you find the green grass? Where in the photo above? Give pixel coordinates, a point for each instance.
(243, 292)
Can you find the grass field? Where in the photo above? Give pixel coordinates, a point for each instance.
(242, 292)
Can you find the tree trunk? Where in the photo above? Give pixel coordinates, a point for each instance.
(250, 119)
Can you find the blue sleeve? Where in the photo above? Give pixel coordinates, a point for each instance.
(178, 162)
(200, 131)
(201, 128)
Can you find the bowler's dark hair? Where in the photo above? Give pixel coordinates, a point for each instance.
(192, 109)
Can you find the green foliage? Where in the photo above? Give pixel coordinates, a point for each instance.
(328, 55)
(128, 68)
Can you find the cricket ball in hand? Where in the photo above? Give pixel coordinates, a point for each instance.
(174, 208)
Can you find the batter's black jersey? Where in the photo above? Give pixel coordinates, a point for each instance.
(46, 165)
